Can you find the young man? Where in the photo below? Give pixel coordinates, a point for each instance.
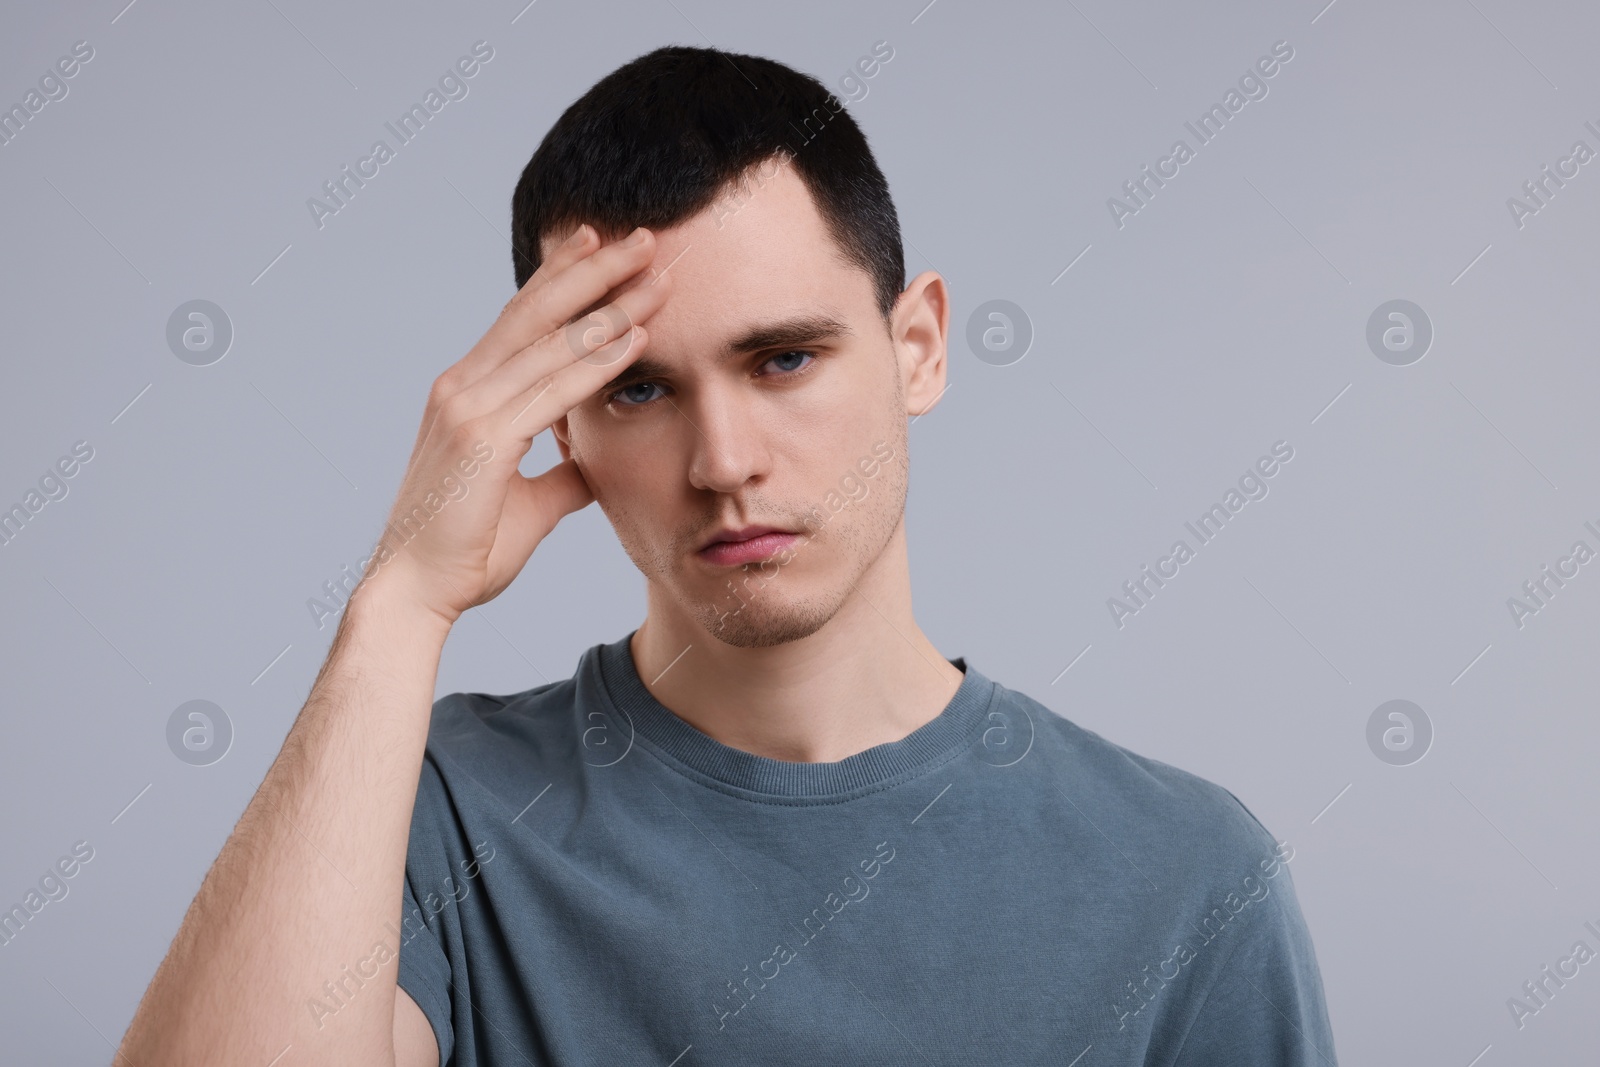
(772, 824)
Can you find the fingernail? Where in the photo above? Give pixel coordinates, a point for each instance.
(577, 238)
(636, 237)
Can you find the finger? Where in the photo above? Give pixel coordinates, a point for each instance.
(585, 340)
(476, 363)
(580, 243)
(535, 313)
(530, 412)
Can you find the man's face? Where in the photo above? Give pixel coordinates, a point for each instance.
(797, 430)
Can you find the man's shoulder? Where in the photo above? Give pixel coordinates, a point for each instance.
(458, 711)
(1142, 802)
(464, 721)
(495, 742)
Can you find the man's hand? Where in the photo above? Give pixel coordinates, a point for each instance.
(533, 366)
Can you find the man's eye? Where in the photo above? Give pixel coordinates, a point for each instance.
(785, 356)
(628, 395)
(639, 394)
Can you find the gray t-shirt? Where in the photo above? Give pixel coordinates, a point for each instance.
(591, 880)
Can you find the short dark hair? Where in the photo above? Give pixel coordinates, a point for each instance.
(657, 141)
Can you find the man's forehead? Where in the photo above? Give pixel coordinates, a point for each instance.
(757, 273)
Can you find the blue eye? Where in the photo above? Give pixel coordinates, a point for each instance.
(786, 355)
(630, 397)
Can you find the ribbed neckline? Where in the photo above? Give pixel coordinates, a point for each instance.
(956, 727)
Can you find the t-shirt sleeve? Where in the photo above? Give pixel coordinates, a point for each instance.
(1265, 1008)
(425, 971)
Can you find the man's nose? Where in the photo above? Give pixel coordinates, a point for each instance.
(728, 448)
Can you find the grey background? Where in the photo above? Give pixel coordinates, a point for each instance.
(1228, 314)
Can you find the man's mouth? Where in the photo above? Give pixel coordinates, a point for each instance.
(735, 547)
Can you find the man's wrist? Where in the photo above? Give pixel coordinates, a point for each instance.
(384, 601)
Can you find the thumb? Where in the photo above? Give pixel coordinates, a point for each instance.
(533, 507)
(540, 502)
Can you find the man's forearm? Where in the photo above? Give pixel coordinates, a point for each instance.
(310, 877)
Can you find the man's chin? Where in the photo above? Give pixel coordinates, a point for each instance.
(762, 626)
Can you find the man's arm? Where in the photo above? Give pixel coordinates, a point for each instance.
(313, 873)
(414, 1043)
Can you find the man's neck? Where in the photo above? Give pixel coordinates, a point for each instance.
(868, 677)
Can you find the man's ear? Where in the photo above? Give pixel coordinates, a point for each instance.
(919, 327)
(559, 429)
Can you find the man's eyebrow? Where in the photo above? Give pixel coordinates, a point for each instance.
(793, 332)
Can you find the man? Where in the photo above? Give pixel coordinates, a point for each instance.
(772, 824)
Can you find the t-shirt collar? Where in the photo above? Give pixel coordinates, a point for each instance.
(953, 730)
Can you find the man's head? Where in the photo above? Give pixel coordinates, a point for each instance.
(779, 375)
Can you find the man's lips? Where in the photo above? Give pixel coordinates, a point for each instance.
(740, 533)
(731, 548)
